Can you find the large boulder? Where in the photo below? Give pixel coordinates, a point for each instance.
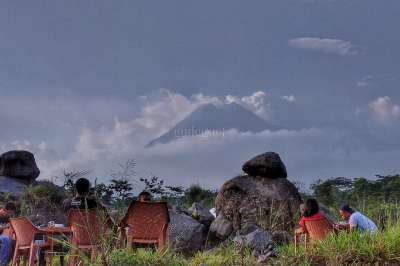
(221, 227)
(201, 214)
(267, 165)
(186, 234)
(269, 202)
(19, 164)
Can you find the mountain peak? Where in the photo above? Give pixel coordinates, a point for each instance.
(215, 118)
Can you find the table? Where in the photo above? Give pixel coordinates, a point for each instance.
(50, 232)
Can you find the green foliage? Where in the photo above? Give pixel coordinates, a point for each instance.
(121, 189)
(69, 178)
(195, 193)
(359, 192)
(333, 191)
(104, 193)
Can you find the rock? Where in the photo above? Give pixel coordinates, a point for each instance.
(282, 237)
(201, 214)
(267, 165)
(221, 227)
(19, 164)
(259, 239)
(186, 234)
(271, 203)
(256, 238)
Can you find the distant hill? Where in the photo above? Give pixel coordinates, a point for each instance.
(216, 119)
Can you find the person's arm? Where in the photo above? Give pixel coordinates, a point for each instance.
(353, 223)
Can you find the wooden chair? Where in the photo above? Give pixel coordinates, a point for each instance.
(147, 223)
(86, 228)
(26, 247)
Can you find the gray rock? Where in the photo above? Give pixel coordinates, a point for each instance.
(267, 165)
(221, 227)
(201, 214)
(259, 240)
(19, 164)
(186, 234)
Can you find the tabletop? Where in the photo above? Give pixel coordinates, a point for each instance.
(54, 229)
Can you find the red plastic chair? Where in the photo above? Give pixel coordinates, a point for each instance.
(316, 230)
(147, 222)
(86, 228)
(25, 247)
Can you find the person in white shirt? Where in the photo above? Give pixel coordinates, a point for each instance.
(356, 220)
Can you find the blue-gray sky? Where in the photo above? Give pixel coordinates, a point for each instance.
(85, 83)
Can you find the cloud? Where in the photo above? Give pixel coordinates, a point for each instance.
(384, 110)
(257, 102)
(328, 46)
(290, 98)
(309, 153)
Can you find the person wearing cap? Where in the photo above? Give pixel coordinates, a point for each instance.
(356, 220)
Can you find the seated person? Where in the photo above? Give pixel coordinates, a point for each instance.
(82, 200)
(309, 212)
(144, 196)
(356, 220)
(6, 242)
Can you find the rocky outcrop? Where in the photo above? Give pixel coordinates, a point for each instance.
(201, 214)
(19, 164)
(264, 196)
(186, 234)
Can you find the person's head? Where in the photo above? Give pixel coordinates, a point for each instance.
(346, 211)
(82, 187)
(144, 196)
(311, 207)
(11, 208)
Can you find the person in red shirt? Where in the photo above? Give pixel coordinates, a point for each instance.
(310, 212)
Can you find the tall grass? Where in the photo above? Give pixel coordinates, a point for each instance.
(382, 248)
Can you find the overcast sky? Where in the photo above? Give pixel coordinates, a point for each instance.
(86, 84)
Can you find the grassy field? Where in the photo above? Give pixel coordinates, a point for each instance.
(382, 248)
